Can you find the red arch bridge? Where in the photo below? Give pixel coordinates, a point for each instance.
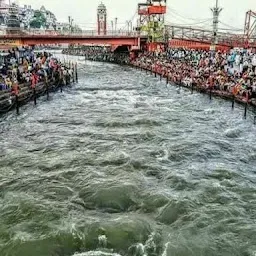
(178, 37)
(132, 40)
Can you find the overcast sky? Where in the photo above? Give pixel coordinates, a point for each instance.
(180, 11)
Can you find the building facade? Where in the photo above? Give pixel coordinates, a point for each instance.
(26, 14)
(25, 17)
(51, 20)
(13, 19)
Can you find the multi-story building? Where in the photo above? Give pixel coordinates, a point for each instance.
(13, 20)
(26, 17)
(62, 27)
(50, 18)
(26, 14)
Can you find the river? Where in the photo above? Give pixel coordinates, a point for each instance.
(121, 164)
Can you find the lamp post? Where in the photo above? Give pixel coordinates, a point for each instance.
(71, 27)
(112, 26)
(115, 25)
(70, 23)
(216, 13)
(129, 24)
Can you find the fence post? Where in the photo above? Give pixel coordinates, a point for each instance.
(211, 93)
(245, 110)
(47, 89)
(34, 95)
(233, 102)
(73, 72)
(17, 104)
(76, 73)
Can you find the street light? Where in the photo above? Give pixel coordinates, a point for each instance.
(129, 24)
(70, 23)
(112, 26)
(72, 20)
(115, 25)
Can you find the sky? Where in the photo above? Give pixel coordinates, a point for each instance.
(192, 12)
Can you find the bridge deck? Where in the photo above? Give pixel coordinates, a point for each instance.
(16, 38)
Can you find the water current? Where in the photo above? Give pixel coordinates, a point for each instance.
(121, 164)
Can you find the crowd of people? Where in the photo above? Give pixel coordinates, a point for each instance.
(99, 53)
(231, 74)
(24, 65)
(228, 73)
(26, 73)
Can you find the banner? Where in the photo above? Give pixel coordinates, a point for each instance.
(10, 42)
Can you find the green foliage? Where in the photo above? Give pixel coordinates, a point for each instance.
(35, 24)
(38, 21)
(65, 29)
(39, 16)
(76, 29)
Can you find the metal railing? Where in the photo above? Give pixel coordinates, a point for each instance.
(93, 33)
(204, 36)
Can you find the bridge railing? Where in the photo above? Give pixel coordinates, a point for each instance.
(94, 33)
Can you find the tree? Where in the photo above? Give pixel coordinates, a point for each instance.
(38, 20)
(76, 29)
(65, 29)
(39, 16)
(35, 24)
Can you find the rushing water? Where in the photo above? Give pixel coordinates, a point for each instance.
(121, 164)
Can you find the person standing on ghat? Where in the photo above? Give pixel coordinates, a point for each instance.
(99, 53)
(23, 68)
(227, 73)
(224, 72)
(15, 87)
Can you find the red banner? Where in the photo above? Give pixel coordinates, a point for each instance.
(157, 9)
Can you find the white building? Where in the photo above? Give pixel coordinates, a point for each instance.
(50, 18)
(62, 27)
(26, 14)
